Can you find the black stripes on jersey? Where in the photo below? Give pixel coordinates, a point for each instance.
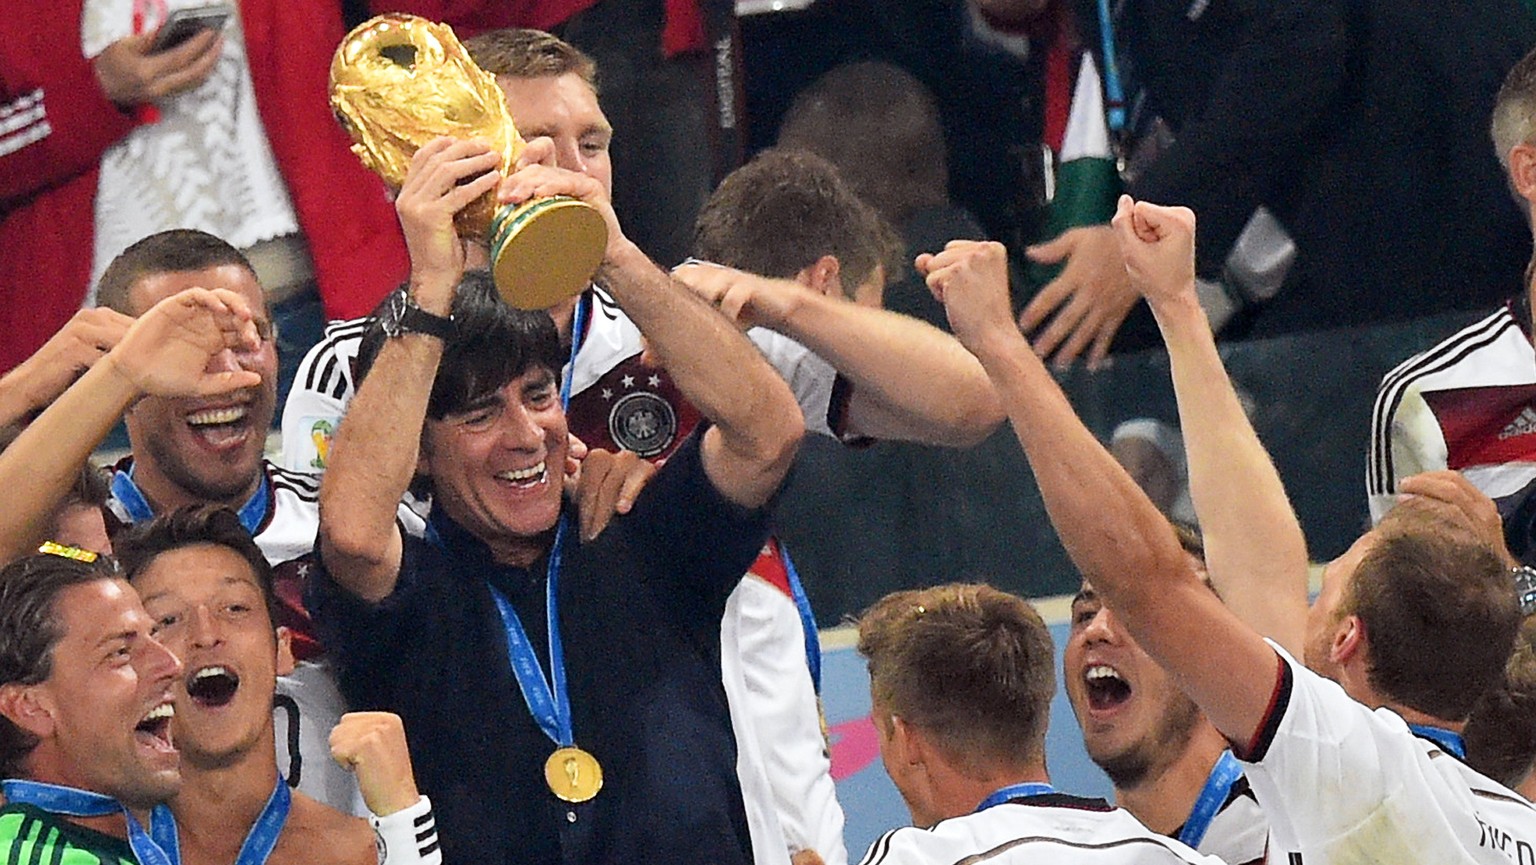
(324, 370)
(1380, 474)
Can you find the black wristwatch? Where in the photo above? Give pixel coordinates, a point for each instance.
(401, 316)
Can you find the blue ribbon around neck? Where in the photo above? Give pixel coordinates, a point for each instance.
(1218, 786)
(126, 491)
(807, 618)
(1015, 791)
(158, 846)
(262, 839)
(548, 699)
(1450, 741)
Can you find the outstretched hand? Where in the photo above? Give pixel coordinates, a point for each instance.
(745, 298)
(1086, 303)
(372, 746)
(970, 277)
(169, 351)
(1158, 246)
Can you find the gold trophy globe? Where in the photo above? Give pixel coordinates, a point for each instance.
(399, 81)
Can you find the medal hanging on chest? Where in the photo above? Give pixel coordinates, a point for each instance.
(573, 774)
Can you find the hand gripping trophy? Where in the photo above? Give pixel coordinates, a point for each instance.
(399, 81)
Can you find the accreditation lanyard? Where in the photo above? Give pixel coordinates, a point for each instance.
(1446, 739)
(158, 846)
(1015, 791)
(1114, 91)
(1218, 786)
(548, 698)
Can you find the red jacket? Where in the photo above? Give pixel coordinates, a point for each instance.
(55, 124)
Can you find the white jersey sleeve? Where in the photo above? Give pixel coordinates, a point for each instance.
(1342, 783)
(1468, 403)
(322, 387)
(782, 757)
(809, 376)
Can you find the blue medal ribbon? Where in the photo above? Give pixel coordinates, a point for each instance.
(251, 514)
(807, 618)
(1218, 786)
(578, 333)
(158, 846)
(262, 839)
(1450, 742)
(548, 699)
(1015, 791)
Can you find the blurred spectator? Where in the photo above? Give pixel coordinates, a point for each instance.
(111, 140)
(1346, 122)
(880, 126)
(987, 98)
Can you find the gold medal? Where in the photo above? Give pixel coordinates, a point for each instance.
(573, 775)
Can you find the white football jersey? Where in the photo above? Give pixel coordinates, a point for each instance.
(1341, 783)
(1054, 828)
(284, 517)
(1467, 404)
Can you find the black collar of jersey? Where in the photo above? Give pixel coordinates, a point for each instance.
(1063, 800)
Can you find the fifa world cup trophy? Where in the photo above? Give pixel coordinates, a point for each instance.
(399, 81)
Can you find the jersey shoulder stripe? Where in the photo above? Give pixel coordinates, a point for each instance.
(304, 487)
(339, 341)
(1380, 473)
(878, 849)
(31, 835)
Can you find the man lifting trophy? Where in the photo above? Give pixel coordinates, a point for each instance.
(399, 81)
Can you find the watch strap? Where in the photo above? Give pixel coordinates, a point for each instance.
(417, 320)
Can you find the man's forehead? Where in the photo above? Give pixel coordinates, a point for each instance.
(185, 571)
(98, 610)
(151, 288)
(540, 101)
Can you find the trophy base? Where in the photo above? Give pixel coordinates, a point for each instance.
(546, 250)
